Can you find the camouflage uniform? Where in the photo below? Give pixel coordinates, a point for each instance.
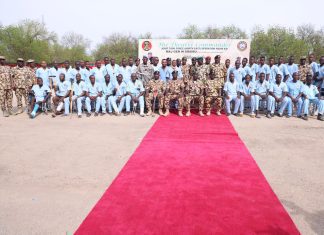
(192, 70)
(193, 91)
(151, 87)
(303, 71)
(212, 88)
(6, 93)
(173, 92)
(145, 73)
(203, 71)
(218, 74)
(185, 69)
(20, 81)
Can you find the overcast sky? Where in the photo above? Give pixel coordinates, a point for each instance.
(98, 18)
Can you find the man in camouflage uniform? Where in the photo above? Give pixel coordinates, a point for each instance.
(19, 75)
(154, 89)
(193, 66)
(174, 91)
(6, 85)
(219, 70)
(304, 69)
(213, 91)
(185, 68)
(194, 91)
(145, 71)
(203, 70)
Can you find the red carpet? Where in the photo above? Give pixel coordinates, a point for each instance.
(189, 176)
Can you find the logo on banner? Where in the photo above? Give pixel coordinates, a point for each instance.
(146, 45)
(241, 45)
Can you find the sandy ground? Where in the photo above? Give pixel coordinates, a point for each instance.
(52, 172)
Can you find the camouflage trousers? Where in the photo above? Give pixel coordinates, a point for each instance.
(171, 97)
(20, 93)
(149, 100)
(193, 98)
(210, 99)
(6, 99)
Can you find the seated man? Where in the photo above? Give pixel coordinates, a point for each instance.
(62, 98)
(41, 93)
(247, 93)
(294, 95)
(174, 91)
(154, 90)
(119, 96)
(194, 91)
(135, 93)
(309, 93)
(277, 94)
(94, 92)
(232, 93)
(107, 92)
(79, 92)
(213, 90)
(261, 90)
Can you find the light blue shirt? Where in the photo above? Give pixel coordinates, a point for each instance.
(264, 69)
(135, 88)
(121, 88)
(278, 90)
(294, 88)
(99, 74)
(68, 74)
(292, 69)
(80, 87)
(284, 70)
(107, 89)
(75, 72)
(261, 88)
(156, 68)
(255, 69)
(126, 72)
(94, 89)
(63, 88)
(249, 71)
(54, 73)
(232, 89)
(310, 91)
(321, 74)
(40, 92)
(85, 74)
(314, 67)
(44, 74)
(165, 74)
(180, 76)
(239, 74)
(274, 70)
(247, 89)
(112, 71)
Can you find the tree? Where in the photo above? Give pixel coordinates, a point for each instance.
(191, 32)
(313, 38)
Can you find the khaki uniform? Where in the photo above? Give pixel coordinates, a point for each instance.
(154, 86)
(203, 71)
(192, 70)
(6, 93)
(218, 73)
(173, 92)
(185, 69)
(303, 71)
(21, 82)
(194, 91)
(145, 73)
(212, 88)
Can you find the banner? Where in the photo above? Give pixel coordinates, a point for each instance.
(178, 48)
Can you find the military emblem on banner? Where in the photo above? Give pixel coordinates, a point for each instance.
(241, 45)
(146, 45)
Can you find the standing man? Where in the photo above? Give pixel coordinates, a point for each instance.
(174, 67)
(304, 69)
(79, 93)
(314, 66)
(135, 93)
(239, 73)
(131, 64)
(154, 90)
(232, 93)
(185, 70)
(292, 67)
(19, 76)
(226, 68)
(174, 91)
(264, 68)
(164, 72)
(283, 69)
(247, 69)
(98, 72)
(125, 70)
(85, 71)
(145, 71)
(294, 95)
(94, 93)
(113, 70)
(254, 68)
(77, 70)
(44, 73)
(68, 72)
(155, 65)
(193, 66)
(261, 90)
(274, 70)
(218, 71)
(54, 74)
(6, 86)
(203, 70)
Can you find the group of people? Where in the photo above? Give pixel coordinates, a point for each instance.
(109, 87)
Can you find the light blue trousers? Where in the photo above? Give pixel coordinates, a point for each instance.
(257, 99)
(291, 104)
(78, 103)
(88, 104)
(140, 101)
(251, 101)
(119, 108)
(272, 104)
(228, 104)
(319, 103)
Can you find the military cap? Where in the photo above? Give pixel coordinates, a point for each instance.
(208, 57)
(200, 58)
(144, 56)
(2, 57)
(30, 61)
(20, 59)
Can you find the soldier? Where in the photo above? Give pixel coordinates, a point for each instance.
(193, 66)
(185, 68)
(194, 91)
(219, 70)
(213, 89)
(6, 86)
(203, 70)
(154, 89)
(19, 76)
(304, 69)
(174, 91)
(145, 71)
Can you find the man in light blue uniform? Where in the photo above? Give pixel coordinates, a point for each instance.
(294, 95)
(274, 70)
(94, 93)
(277, 94)
(113, 70)
(135, 93)
(247, 69)
(98, 72)
(320, 78)
(283, 68)
(264, 68)
(132, 65)
(107, 92)
(77, 70)
(85, 71)
(54, 74)
(292, 67)
(311, 95)
(79, 93)
(232, 93)
(239, 73)
(125, 70)
(119, 96)
(164, 71)
(43, 72)
(62, 91)
(247, 94)
(261, 90)
(254, 68)
(314, 66)
(174, 67)
(41, 94)
(68, 72)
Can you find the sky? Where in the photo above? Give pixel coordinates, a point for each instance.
(96, 19)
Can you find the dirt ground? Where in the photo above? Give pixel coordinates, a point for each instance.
(53, 171)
